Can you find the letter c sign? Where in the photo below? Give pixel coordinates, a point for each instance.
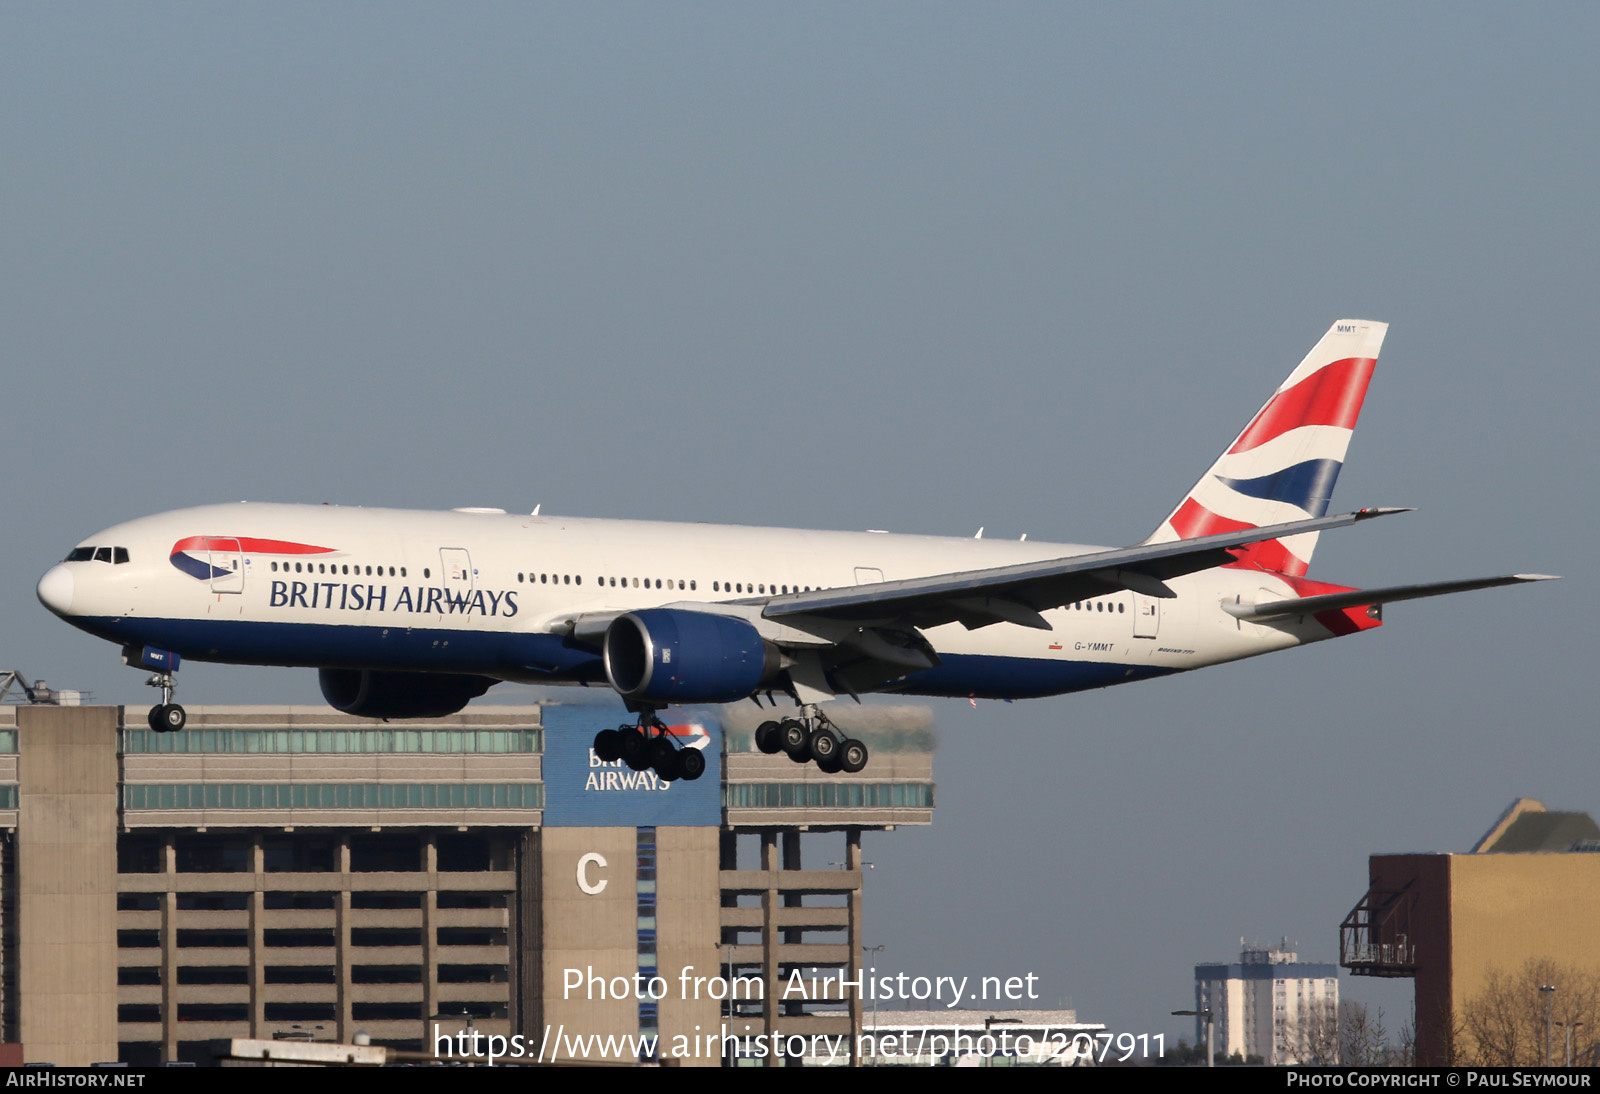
(593, 888)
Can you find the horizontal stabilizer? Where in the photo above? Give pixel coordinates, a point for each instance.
(1280, 609)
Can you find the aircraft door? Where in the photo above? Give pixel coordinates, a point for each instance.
(227, 565)
(867, 575)
(455, 567)
(1146, 616)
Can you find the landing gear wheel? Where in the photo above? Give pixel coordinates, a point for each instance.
(769, 738)
(635, 750)
(668, 766)
(661, 751)
(608, 745)
(823, 744)
(692, 763)
(168, 718)
(795, 740)
(830, 766)
(852, 756)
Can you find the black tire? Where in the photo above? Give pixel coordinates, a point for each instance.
(796, 742)
(608, 745)
(823, 744)
(692, 762)
(669, 766)
(769, 738)
(661, 751)
(830, 766)
(172, 717)
(153, 719)
(852, 756)
(635, 750)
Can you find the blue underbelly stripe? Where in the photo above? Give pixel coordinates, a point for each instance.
(323, 645)
(519, 655)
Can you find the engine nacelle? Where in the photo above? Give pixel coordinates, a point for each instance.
(368, 693)
(667, 655)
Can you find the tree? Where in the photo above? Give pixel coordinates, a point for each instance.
(1363, 1038)
(1507, 1023)
(1317, 1035)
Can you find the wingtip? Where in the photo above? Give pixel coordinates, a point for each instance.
(1537, 577)
(1383, 511)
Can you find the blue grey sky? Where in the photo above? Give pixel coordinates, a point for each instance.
(907, 266)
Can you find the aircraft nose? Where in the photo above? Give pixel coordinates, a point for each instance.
(55, 589)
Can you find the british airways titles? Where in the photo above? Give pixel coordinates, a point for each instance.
(345, 596)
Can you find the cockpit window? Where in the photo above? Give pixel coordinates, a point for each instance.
(113, 555)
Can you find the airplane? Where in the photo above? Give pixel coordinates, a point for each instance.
(410, 614)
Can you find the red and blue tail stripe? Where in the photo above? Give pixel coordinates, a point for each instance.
(1284, 465)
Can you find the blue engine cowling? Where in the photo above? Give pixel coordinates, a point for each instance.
(369, 693)
(671, 656)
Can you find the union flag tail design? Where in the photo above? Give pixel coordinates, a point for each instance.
(1283, 466)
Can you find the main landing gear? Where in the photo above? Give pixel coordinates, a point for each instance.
(649, 746)
(166, 716)
(812, 737)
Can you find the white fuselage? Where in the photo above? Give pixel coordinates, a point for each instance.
(495, 594)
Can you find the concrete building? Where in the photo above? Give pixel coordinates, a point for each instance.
(1525, 899)
(1269, 1004)
(289, 871)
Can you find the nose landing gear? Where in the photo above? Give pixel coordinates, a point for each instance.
(812, 737)
(166, 716)
(650, 746)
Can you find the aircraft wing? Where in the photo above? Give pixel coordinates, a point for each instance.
(1307, 605)
(1018, 593)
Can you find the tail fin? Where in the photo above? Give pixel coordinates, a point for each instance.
(1283, 466)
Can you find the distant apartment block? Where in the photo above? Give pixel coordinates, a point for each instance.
(1269, 1004)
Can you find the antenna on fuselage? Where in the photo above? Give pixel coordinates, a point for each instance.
(980, 533)
(536, 509)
